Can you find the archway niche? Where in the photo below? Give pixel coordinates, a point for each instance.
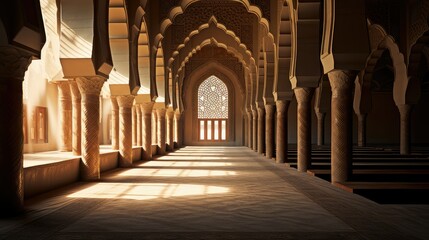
(234, 121)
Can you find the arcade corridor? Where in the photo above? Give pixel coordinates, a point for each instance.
(212, 193)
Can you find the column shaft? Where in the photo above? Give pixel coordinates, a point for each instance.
(115, 123)
(320, 128)
(134, 125)
(303, 97)
(269, 130)
(249, 129)
(405, 138)
(361, 130)
(139, 124)
(90, 88)
(282, 131)
(65, 116)
(125, 130)
(154, 120)
(169, 130)
(14, 64)
(261, 130)
(76, 121)
(177, 129)
(341, 130)
(255, 130)
(146, 109)
(161, 131)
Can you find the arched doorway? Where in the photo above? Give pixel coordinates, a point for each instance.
(213, 108)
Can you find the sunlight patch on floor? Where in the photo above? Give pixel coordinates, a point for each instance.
(146, 191)
(184, 164)
(176, 173)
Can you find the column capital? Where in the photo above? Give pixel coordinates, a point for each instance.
(340, 80)
(282, 105)
(160, 112)
(170, 113)
(74, 90)
(125, 101)
(90, 85)
(404, 110)
(114, 101)
(269, 109)
(14, 63)
(64, 86)
(177, 114)
(138, 108)
(303, 94)
(147, 107)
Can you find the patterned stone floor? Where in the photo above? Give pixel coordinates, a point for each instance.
(212, 193)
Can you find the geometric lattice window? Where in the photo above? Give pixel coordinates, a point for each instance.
(213, 99)
(212, 110)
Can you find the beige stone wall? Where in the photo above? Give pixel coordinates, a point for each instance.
(44, 94)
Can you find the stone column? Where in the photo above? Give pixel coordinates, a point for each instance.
(76, 121)
(90, 88)
(154, 119)
(320, 128)
(134, 126)
(65, 118)
(245, 128)
(13, 65)
(125, 130)
(341, 130)
(169, 129)
(146, 109)
(405, 113)
(269, 130)
(177, 129)
(255, 130)
(282, 107)
(250, 129)
(361, 130)
(161, 131)
(303, 98)
(115, 123)
(138, 124)
(261, 130)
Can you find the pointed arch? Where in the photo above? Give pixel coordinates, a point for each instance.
(236, 99)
